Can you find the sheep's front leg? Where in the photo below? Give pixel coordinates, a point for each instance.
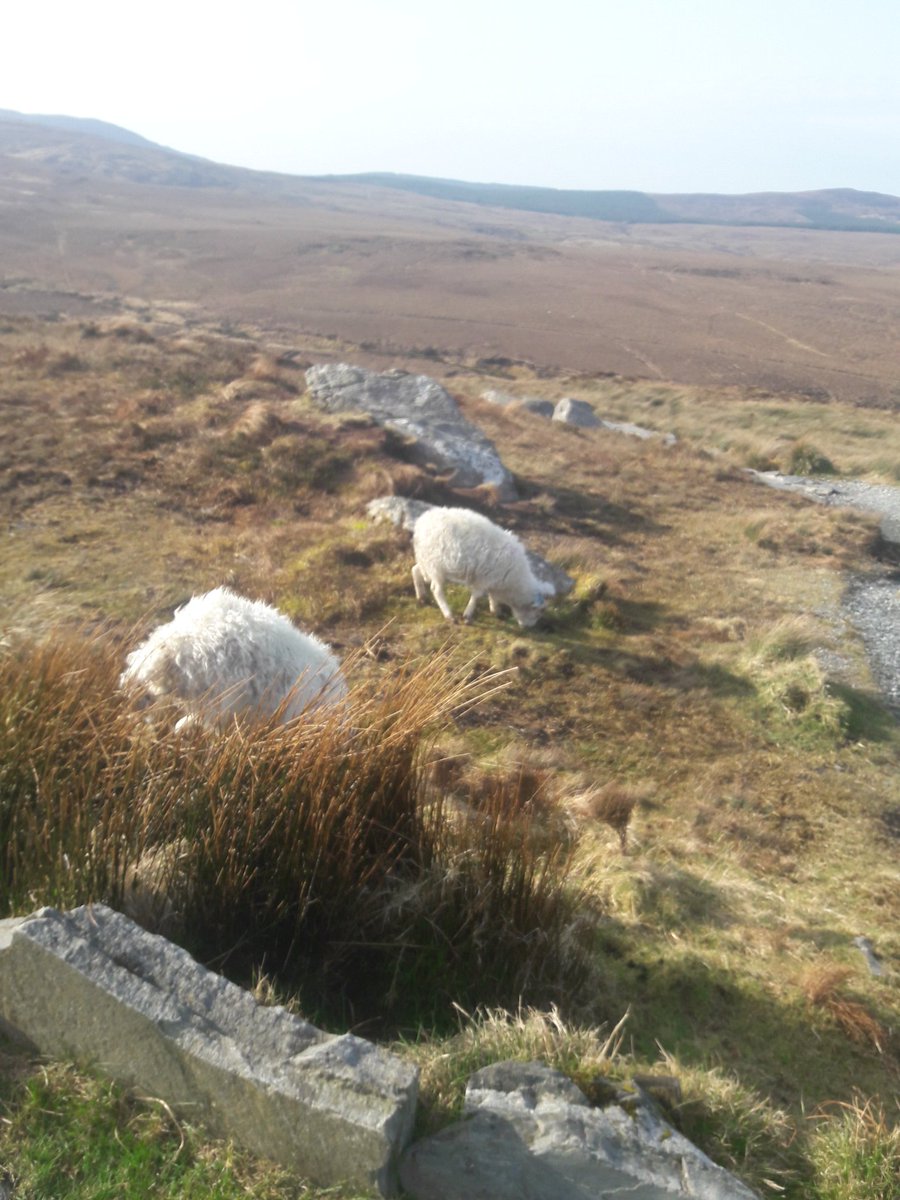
(469, 612)
(420, 584)
(495, 605)
(437, 590)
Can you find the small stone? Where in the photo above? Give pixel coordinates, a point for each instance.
(873, 962)
(576, 412)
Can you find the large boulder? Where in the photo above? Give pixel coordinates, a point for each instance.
(529, 1131)
(93, 986)
(422, 411)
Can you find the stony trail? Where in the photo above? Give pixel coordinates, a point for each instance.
(871, 602)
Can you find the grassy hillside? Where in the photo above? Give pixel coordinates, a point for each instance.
(690, 740)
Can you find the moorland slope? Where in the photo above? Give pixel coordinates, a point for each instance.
(693, 733)
(797, 310)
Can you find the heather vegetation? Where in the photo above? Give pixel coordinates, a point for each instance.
(640, 837)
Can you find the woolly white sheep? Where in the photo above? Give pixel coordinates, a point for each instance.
(456, 545)
(223, 656)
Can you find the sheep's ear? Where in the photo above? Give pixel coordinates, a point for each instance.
(539, 600)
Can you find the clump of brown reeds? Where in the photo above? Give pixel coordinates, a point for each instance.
(821, 986)
(68, 764)
(310, 851)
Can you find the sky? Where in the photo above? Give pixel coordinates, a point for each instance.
(654, 95)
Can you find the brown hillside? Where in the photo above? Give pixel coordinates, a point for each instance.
(786, 310)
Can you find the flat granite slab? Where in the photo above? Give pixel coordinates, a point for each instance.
(93, 986)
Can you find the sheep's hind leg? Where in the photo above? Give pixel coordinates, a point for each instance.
(495, 605)
(420, 584)
(437, 590)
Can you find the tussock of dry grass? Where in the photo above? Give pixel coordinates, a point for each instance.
(856, 1150)
(494, 1035)
(822, 985)
(742, 1129)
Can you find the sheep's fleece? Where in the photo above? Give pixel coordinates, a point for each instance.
(456, 545)
(222, 655)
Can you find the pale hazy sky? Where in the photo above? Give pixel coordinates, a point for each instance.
(658, 95)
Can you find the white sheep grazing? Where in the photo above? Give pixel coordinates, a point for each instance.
(456, 545)
(223, 656)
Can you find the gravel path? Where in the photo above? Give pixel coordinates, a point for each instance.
(873, 607)
(880, 498)
(871, 602)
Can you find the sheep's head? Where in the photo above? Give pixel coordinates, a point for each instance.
(528, 614)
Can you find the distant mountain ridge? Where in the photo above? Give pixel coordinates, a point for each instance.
(88, 125)
(834, 208)
(76, 147)
(85, 146)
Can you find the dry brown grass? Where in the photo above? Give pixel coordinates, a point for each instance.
(313, 850)
(821, 985)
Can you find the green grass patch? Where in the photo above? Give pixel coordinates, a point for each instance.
(73, 1136)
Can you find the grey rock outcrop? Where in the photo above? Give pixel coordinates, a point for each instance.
(872, 600)
(399, 510)
(576, 412)
(420, 409)
(404, 512)
(638, 431)
(501, 399)
(92, 985)
(580, 413)
(531, 1132)
(872, 604)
